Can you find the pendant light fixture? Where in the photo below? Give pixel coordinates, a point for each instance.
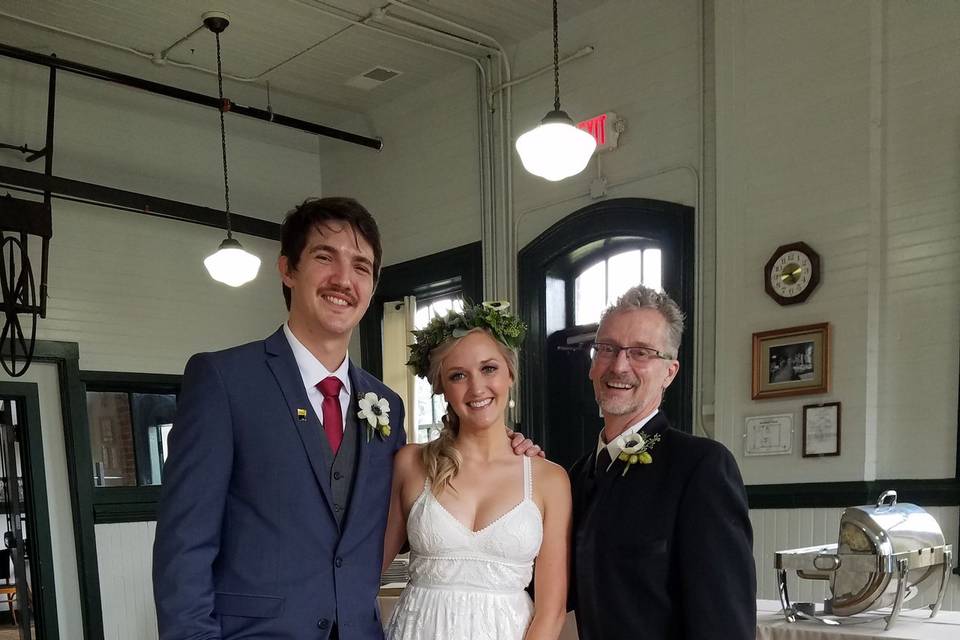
(556, 149)
(231, 264)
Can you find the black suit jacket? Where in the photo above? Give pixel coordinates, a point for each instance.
(665, 551)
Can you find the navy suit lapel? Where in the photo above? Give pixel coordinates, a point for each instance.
(284, 367)
(360, 382)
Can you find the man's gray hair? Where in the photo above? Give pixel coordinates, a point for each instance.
(641, 297)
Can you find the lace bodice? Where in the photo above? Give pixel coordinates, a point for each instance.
(498, 558)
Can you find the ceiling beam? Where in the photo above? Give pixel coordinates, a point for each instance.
(188, 96)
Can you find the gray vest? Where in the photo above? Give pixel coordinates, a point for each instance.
(341, 468)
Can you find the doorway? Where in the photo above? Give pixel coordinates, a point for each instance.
(568, 275)
(27, 604)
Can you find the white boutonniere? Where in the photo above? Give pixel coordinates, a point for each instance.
(376, 411)
(634, 449)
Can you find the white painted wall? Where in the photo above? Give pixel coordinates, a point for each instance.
(842, 133)
(131, 289)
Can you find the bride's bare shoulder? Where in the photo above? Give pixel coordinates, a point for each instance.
(409, 456)
(550, 477)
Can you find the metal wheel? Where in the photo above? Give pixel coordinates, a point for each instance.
(20, 307)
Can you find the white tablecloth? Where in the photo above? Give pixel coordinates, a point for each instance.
(911, 625)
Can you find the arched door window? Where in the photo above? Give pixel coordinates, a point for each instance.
(598, 285)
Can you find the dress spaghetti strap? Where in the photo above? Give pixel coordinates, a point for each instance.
(527, 478)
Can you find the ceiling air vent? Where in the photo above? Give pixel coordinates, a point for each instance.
(372, 78)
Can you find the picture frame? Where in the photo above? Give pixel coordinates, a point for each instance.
(768, 435)
(821, 430)
(791, 362)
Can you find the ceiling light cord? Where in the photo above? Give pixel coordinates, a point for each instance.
(556, 61)
(224, 106)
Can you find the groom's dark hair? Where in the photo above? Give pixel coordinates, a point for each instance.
(318, 211)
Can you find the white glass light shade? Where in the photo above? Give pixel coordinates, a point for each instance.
(231, 264)
(555, 149)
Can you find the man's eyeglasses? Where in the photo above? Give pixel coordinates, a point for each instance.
(606, 351)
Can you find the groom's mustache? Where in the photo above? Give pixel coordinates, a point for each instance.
(341, 293)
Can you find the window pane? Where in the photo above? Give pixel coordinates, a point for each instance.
(623, 271)
(111, 439)
(152, 414)
(430, 407)
(652, 269)
(422, 317)
(590, 294)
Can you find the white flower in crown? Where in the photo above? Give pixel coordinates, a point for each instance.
(376, 411)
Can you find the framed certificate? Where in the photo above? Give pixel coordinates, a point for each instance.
(821, 430)
(768, 435)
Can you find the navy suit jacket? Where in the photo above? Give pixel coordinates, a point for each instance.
(247, 545)
(665, 551)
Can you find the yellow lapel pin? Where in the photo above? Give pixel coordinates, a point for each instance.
(302, 415)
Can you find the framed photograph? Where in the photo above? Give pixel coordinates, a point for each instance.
(821, 430)
(791, 362)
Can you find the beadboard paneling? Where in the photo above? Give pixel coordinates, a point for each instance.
(124, 554)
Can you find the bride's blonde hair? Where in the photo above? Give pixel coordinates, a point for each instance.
(440, 458)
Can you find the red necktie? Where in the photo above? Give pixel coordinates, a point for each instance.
(332, 416)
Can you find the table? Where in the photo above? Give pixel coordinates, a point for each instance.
(911, 625)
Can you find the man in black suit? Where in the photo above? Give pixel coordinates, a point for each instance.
(662, 539)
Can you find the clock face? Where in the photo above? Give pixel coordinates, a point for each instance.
(792, 273)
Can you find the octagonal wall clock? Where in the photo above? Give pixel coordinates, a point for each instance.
(792, 273)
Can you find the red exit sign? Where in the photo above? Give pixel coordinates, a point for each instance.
(604, 129)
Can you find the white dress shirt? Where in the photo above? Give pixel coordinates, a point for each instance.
(612, 447)
(313, 372)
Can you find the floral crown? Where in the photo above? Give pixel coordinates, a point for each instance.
(492, 316)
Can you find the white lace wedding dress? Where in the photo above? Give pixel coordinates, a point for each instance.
(464, 584)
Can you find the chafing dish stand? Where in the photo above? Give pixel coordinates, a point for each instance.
(885, 551)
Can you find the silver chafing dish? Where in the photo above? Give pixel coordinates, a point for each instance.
(885, 554)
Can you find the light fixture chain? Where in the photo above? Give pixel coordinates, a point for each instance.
(223, 138)
(556, 61)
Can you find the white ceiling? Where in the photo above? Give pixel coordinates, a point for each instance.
(265, 33)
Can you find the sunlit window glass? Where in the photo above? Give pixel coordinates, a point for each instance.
(599, 285)
(624, 270)
(590, 290)
(430, 408)
(652, 264)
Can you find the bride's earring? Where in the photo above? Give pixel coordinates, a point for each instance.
(511, 404)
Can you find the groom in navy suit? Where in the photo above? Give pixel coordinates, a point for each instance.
(276, 489)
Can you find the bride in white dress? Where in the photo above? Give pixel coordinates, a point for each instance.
(478, 518)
